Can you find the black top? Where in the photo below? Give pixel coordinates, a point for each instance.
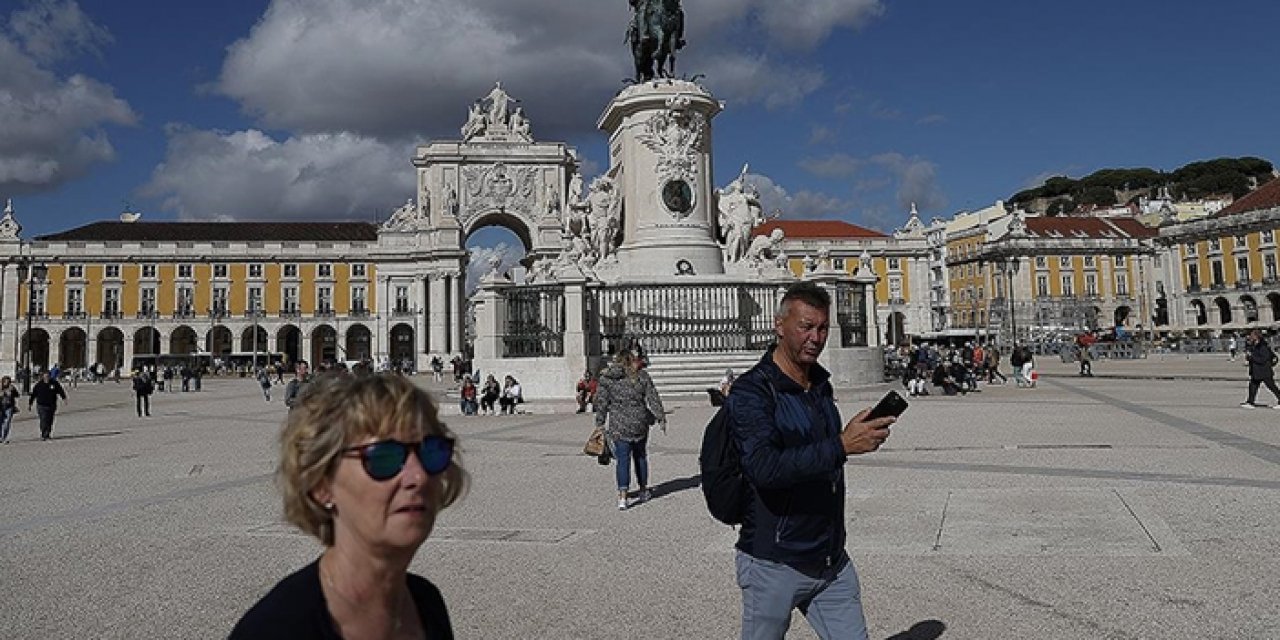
(295, 608)
(46, 394)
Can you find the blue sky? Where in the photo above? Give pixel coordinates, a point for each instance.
(845, 109)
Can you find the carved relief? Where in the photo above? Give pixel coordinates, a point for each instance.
(498, 187)
(675, 136)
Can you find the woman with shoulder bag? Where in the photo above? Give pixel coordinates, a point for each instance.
(627, 404)
(8, 407)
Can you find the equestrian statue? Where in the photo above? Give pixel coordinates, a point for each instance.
(656, 33)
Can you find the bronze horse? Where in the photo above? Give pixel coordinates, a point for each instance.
(655, 35)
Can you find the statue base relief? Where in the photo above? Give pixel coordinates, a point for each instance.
(660, 157)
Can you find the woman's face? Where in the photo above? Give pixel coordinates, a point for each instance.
(386, 516)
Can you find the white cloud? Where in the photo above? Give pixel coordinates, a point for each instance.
(479, 264)
(836, 165)
(246, 175)
(917, 181)
(51, 129)
(410, 67)
(805, 204)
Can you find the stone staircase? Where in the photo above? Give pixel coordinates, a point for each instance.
(689, 374)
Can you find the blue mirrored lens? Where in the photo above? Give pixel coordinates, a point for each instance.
(383, 460)
(435, 454)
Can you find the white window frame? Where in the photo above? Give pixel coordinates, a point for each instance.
(1090, 284)
(75, 300)
(359, 298)
(1042, 285)
(255, 270)
(895, 264)
(75, 271)
(290, 270)
(186, 271)
(359, 270)
(1068, 285)
(111, 271)
(221, 270)
(147, 300)
(218, 303)
(402, 299)
(111, 300)
(149, 271)
(324, 299)
(324, 270)
(289, 299)
(1269, 265)
(1122, 284)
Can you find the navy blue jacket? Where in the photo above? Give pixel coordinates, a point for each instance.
(793, 458)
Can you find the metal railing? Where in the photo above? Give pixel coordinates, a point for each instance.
(680, 318)
(851, 315)
(534, 322)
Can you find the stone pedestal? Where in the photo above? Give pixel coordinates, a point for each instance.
(660, 157)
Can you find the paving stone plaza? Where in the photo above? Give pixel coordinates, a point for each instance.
(1139, 505)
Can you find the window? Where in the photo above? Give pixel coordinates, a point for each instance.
(220, 300)
(358, 300)
(1090, 285)
(1191, 249)
(324, 299)
(1120, 262)
(112, 271)
(1089, 261)
(255, 298)
(1269, 265)
(255, 270)
(111, 301)
(1041, 262)
(1218, 278)
(290, 270)
(1268, 236)
(1193, 275)
(219, 270)
(1042, 286)
(402, 299)
(894, 264)
(358, 270)
(184, 271)
(75, 301)
(186, 300)
(75, 271)
(147, 300)
(324, 271)
(37, 301)
(1122, 284)
(148, 271)
(1215, 244)
(1068, 286)
(1065, 262)
(895, 288)
(289, 297)
(1242, 268)
(999, 291)
(837, 264)
(1242, 242)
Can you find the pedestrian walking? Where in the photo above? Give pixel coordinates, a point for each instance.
(301, 378)
(8, 407)
(1262, 364)
(783, 417)
(626, 405)
(45, 397)
(264, 381)
(1233, 346)
(1084, 344)
(142, 390)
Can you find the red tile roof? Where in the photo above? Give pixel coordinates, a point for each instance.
(219, 232)
(1085, 227)
(817, 229)
(1265, 197)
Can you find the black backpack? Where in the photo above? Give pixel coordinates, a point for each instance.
(724, 486)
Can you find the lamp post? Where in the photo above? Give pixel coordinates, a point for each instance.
(31, 273)
(1013, 316)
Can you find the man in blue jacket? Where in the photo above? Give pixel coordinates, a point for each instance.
(784, 419)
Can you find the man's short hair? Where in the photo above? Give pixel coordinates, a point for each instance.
(806, 292)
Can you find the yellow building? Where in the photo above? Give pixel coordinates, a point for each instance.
(130, 293)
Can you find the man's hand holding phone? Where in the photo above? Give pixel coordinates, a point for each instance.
(870, 428)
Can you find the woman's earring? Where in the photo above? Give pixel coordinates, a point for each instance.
(328, 506)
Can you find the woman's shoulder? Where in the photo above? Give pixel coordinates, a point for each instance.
(293, 608)
(431, 608)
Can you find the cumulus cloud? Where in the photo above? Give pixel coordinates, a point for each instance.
(775, 199)
(51, 128)
(481, 258)
(399, 67)
(917, 180)
(836, 165)
(248, 175)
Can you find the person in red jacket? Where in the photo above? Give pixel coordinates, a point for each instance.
(587, 387)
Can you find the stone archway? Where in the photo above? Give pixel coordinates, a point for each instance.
(358, 343)
(110, 348)
(1121, 316)
(1273, 300)
(1202, 312)
(247, 339)
(146, 343)
(401, 344)
(324, 345)
(73, 348)
(289, 342)
(183, 341)
(1224, 310)
(896, 328)
(1250, 307)
(219, 341)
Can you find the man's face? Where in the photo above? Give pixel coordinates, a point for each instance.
(802, 333)
(301, 370)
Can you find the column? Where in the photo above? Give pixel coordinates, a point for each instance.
(456, 283)
(439, 310)
(575, 337)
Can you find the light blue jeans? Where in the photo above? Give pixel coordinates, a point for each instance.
(829, 598)
(625, 452)
(6, 421)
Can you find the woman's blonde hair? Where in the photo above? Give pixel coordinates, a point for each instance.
(336, 411)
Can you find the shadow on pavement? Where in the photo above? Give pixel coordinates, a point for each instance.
(677, 485)
(923, 630)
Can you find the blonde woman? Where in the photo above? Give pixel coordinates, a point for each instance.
(365, 467)
(627, 404)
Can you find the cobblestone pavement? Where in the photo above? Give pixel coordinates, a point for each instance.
(1085, 508)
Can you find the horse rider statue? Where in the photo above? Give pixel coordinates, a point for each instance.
(655, 34)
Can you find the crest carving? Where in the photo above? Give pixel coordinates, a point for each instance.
(498, 187)
(675, 136)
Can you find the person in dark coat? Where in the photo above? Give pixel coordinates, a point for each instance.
(1262, 363)
(45, 396)
(142, 389)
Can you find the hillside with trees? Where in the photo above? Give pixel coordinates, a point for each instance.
(1110, 187)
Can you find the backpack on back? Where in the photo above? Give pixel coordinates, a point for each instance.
(724, 487)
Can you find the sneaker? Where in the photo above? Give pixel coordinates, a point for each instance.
(1248, 405)
(622, 504)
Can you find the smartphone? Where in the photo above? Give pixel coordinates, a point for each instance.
(892, 404)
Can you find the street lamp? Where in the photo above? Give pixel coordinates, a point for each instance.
(1012, 270)
(32, 274)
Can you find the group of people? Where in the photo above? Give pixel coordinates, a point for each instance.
(483, 400)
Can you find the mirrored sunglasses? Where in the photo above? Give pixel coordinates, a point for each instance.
(383, 460)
